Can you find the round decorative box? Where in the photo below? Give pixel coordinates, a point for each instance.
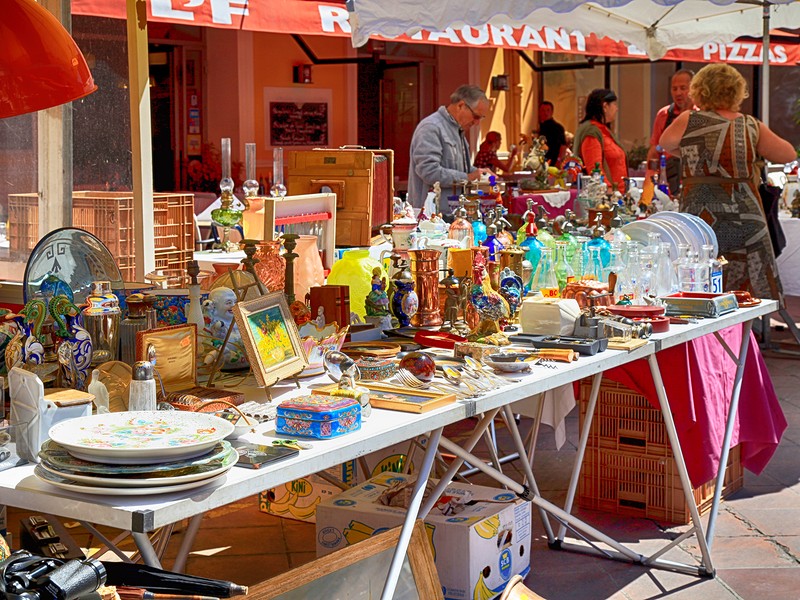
(376, 369)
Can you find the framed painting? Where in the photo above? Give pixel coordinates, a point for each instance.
(359, 572)
(396, 397)
(270, 338)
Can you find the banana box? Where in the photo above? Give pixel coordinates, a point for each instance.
(481, 536)
(298, 499)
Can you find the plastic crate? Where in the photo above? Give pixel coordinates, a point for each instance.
(628, 467)
(109, 216)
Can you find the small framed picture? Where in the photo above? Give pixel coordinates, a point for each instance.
(270, 338)
(396, 397)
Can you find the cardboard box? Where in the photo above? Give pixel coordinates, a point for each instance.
(392, 459)
(299, 499)
(477, 550)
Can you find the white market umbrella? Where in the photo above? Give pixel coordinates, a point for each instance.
(654, 26)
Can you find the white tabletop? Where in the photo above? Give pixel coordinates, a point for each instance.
(19, 487)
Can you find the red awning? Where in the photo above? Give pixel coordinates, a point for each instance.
(310, 17)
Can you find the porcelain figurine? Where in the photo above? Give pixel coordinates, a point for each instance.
(218, 317)
(74, 345)
(8, 331)
(26, 349)
(377, 302)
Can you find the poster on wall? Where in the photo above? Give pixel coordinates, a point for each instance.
(298, 124)
(297, 118)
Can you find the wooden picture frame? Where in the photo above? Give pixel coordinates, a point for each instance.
(396, 397)
(270, 338)
(360, 571)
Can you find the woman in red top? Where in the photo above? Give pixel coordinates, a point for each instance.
(596, 144)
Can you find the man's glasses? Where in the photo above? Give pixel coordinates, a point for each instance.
(475, 115)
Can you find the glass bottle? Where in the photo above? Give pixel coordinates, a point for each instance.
(492, 243)
(595, 267)
(683, 256)
(665, 279)
(101, 318)
(598, 241)
(544, 278)
(714, 269)
(533, 251)
(461, 230)
(663, 182)
(528, 218)
(689, 274)
(478, 228)
(278, 190)
(564, 272)
(544, 234)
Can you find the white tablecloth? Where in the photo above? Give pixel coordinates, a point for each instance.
(789, 260)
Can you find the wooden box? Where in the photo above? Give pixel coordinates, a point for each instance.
(363, 181)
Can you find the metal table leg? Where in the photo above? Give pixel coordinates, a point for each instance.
(413, 511)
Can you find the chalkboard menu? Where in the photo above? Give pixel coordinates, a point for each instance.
(298, 124)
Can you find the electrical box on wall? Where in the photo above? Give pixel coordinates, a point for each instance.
(500, 83)
(301, 74)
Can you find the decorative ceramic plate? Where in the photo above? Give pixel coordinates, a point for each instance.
(73, 257)
(155, 479)
(84, 488)
(58, 459)
(143, 437)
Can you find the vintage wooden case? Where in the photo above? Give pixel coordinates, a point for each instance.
(363, 181)
(176, 364)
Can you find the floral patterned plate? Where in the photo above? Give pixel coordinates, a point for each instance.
(143, 437)
(84, 488)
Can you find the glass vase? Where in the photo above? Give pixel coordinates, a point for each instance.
(101, 319)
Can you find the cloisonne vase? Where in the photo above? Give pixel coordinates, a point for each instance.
(74, 344)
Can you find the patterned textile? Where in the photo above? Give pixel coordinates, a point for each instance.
(720, 182)
(486, 159)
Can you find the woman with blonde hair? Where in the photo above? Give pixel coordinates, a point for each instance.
(720, 150)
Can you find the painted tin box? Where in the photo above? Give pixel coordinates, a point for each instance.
(318, 416)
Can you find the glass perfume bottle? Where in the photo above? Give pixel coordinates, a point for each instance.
(101, 318)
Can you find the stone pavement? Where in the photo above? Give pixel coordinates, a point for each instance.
(756, 550)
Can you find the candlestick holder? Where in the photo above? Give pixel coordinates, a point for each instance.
(289, 244)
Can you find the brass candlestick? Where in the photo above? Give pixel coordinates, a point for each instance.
(289, 243)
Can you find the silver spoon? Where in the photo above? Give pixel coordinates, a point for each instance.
(454, 377)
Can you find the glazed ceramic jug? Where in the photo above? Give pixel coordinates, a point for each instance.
(308, 269)
(354, 270)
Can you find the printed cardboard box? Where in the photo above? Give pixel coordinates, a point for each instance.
(477, 550)
(298, 499)
(392, 458)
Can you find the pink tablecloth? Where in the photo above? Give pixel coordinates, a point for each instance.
(698, 377)
(519, 204)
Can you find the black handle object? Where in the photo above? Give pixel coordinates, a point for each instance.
(168, 582)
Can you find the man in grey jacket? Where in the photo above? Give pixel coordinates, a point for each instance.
(439, 150)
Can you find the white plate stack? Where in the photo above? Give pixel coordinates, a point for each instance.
(674, 228)
(137, 453)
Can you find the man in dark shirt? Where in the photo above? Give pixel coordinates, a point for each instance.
(554, 132)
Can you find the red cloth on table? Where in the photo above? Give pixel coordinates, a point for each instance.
(698, 378)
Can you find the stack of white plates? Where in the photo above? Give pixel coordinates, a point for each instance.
(674, 228)
(137, 453)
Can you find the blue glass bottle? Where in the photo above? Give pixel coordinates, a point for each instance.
(492, 243)
(533, 251)
(478, 228)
